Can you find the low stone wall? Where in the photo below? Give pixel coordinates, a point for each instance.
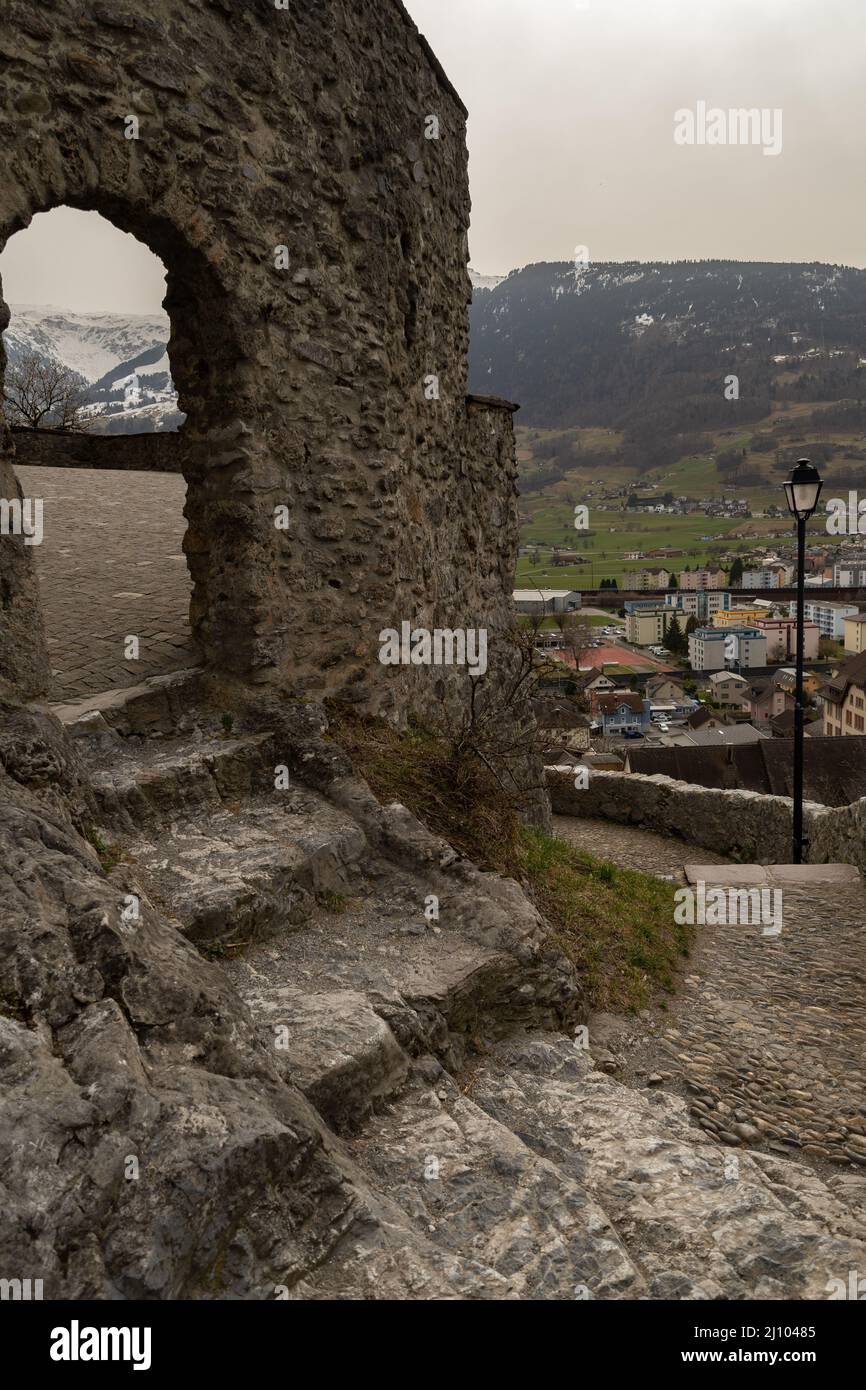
(143, 453)
(744, 826)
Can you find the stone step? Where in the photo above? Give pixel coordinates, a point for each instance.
(773, 875)
(240, 873)
(141, 782)
(333, 1046)
(158, 705)
(437, 984)
(702, 1221)
(474, 1190)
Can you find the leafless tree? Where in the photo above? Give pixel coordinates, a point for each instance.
(40, 393)
(576, 637)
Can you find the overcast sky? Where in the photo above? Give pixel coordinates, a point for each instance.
(76, 260)
(572, 116)
(572, 144)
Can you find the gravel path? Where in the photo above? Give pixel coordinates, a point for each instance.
(767, 1035)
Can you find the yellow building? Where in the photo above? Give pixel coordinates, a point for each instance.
(786, 679)
(738, 617)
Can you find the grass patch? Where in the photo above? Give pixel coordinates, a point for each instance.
(333, 902)
(222, 950)
(616, 925)
(109, 855)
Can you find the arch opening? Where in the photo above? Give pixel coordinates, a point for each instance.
(97, 322)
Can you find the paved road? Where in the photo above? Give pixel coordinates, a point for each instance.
(111, 566)
(767, 1036)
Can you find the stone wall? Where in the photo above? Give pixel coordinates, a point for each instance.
(742, 825)
(147, 453)
(310, 387)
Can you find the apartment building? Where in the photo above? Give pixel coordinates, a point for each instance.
(647, 620)
(843, 700)
(690, 580)
(698, 604)
(829, 617)
(738, 617)
(855, 634)
(644, 581)
(781, 635)
(768, 577)
(647, 626)
(715, 648)
(850, 574)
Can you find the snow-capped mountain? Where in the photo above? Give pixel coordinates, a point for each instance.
(106, 351)
(89, 344)
(484, 282)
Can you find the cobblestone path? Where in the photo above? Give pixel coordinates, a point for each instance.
(111, 566)
(767, 1035)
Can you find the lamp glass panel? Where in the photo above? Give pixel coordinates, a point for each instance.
(806, 497)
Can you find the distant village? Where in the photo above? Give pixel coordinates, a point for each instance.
(697, 679)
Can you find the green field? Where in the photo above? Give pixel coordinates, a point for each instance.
(548, 514)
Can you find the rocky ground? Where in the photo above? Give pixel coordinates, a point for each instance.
(243, 1057)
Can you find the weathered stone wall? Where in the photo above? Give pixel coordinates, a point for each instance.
(148, 453)
(744, 825)
(303, 128)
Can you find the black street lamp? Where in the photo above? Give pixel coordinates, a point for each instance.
(802, 493)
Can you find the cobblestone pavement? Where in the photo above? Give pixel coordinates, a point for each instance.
(767, 1035)
(111, 566)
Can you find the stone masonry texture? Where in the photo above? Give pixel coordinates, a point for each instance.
(745, 826)
(311, 387)
(171, 912)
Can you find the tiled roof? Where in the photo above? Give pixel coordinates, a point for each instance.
(610, 703)
(699, 717)
(852, 673)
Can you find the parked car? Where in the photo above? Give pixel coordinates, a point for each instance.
(632, 733)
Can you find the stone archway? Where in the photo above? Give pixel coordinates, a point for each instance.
(302, 174)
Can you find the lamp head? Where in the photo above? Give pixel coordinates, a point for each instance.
(803, 490)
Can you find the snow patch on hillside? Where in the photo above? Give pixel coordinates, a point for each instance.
(485, 282)
(96, 345)
(90, 344)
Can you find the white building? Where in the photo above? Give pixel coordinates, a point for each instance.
(698, 604)
(769, 577)
(730, 689)
(850, 574)
(829, 617)
(547, 601)
(720, 648)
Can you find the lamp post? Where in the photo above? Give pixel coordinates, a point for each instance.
(802, 493)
